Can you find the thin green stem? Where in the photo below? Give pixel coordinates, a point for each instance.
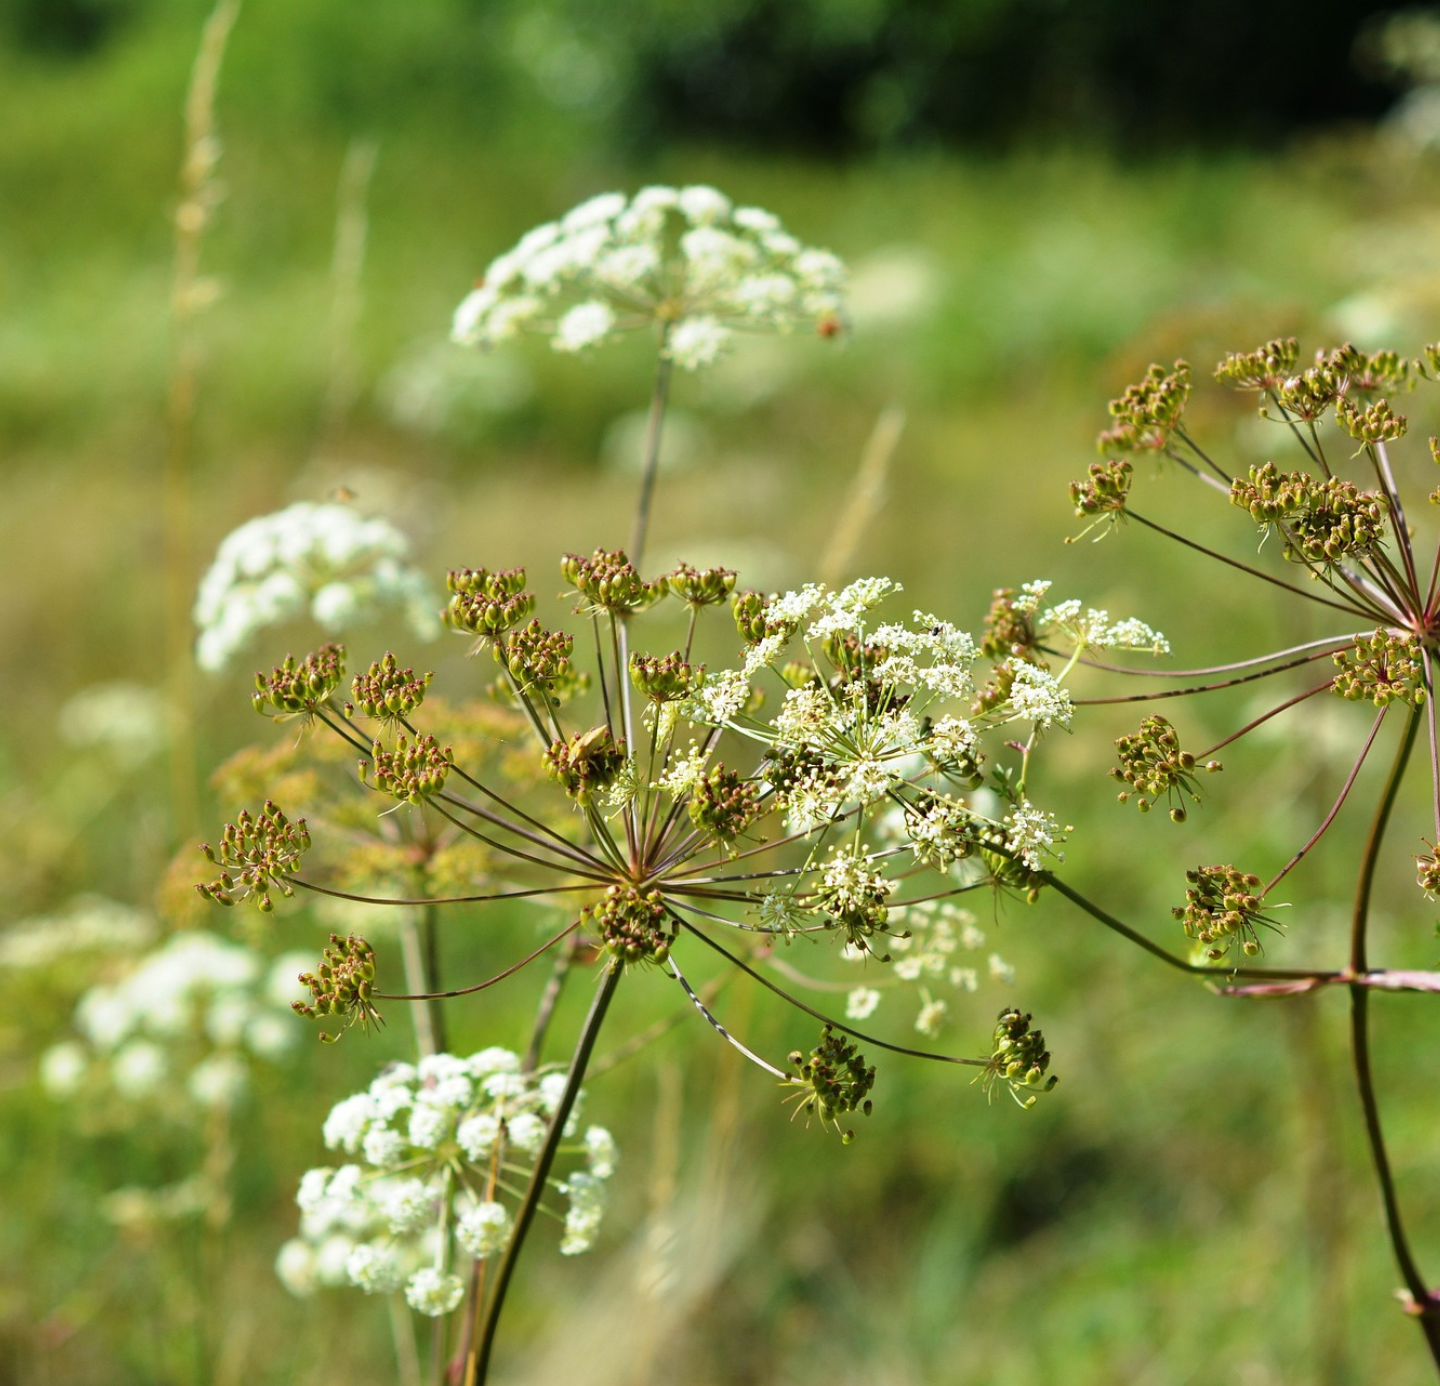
(1426, 1307)
(477, 1365)
(652, 449)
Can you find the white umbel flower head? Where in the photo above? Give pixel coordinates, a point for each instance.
(326, 560)
(424, 1137)
(434, 1293)
(684, 259)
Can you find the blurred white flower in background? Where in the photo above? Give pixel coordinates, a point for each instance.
(322, 559)
(426, 1139)
(180, 1028)
(685, 259)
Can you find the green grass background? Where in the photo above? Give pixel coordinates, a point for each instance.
(1193, 1202)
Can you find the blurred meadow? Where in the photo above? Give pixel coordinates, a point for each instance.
(1193, 1203)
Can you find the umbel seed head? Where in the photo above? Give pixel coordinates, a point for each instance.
(1018, 1058)
(608, 581)
(833, 1080)
(341, 986)
(296, 689)
(634, 924)
(254, 856)
(388, 692)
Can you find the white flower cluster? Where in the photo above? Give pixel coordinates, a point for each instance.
(86, 924)
(127, 721)
(324, 559)
(926, 956)
(178, 1031)
(685, 258)
(437, 1144)
(1094, 629)
(1033, 834)
(1038, 696)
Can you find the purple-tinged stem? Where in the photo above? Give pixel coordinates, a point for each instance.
(1428, 668)
(829, 1020)
(482, 986)
(1425, 1306)
(1349, 608)
(1196, 688)
(1320, 649)
(1330, 817)
(477, 1365)
(1397, 513)
(436, 899)
(1265, 717)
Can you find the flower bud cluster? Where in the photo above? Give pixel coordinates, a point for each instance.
(487, 604)
(420, 1196)
(387, 692)
(1427, 872)
(536, 658)
(634, 925)
(178, 1032)
(1322, 521)
(833, 1080)
(1105, 492)
(411, 773)
(324, 559)
(853, 895)
(1148, 412)
(255, 855)
(1376, 423)
(697, 588)
(1009, 631)
(586, 764)
(665, 679)
(1265, 368)
(292, 689)
(723, 804)
(1019, 1059)
(754, 621)
(1221, 907)
(1384, 667)
(1371, 373)
(341, 986)
(1152, 764)
(685, 258)
(1306, 397)
(608, 581)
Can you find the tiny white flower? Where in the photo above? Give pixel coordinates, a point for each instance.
(476, 1136)
(62, 1068)
(583, 326)
(696, 342)
(931, 1019)
(407, 1205)
(600, 1151)
(703, 204)
(433, 1292)
(374, 1269)
(1000, 970)
(483, 1230)
(295, 1267)
(860, 1004)
(138, 1069)
(527, 1132)
(217, 1081)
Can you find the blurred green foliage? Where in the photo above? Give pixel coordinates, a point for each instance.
(1194, 1202)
